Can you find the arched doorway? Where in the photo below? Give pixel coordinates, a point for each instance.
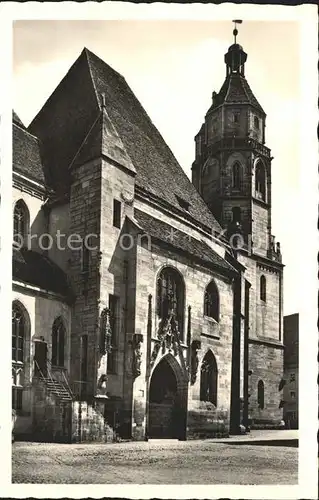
(167, 403)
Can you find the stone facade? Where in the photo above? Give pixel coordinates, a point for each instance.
(166, 331)
(291, 370)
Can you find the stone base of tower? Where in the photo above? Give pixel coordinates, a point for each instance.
(266, 365)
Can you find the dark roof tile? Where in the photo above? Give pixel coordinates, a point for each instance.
(236, 89)
(180, 240)
(67, 117)
(26, 157)
(38, 270)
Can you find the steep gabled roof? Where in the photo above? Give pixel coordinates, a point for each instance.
(16, 119)
(236, 90)
(26, 156)
(194, 248)
(64, 122)
(103, 140)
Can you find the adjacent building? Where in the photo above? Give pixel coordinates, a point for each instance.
(144, 305)
(291, 364)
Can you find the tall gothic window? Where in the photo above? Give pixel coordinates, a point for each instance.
(236, 176)
(21, 220)
(260, 182)
(18, 342)
(261, 394)
(170, 295)
(263, 290)
(209, 379)
(211, 301)
(58, 342)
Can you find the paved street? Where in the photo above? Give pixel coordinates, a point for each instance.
(159, 462)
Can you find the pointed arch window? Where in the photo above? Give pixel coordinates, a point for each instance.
(263, 288)
(260, 182)
(256, 122)
(21, 220)
(236, 176)
(209, 379)
(211, 301)
(261, 394)
(171, 296)
(19, 334)
(58, 342)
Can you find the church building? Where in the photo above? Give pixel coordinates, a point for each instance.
(145, 305)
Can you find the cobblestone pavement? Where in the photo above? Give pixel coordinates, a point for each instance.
(155, 462)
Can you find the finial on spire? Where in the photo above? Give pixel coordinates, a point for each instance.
(235, 31)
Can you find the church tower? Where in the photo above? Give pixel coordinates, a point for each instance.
(232, 172)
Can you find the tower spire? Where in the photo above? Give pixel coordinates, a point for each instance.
(235, 30)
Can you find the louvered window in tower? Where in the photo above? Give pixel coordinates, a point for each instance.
(236, 176)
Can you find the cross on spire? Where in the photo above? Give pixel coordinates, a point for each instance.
(235, 31)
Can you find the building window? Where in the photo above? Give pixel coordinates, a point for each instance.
(236, 117)
(208, 379)
(183, 203)
(263, 288)
(293, 394)
(117, 206)
(21, 220)
(256, 122)
(292, 377)
(236, 176)
(18, 334)
(236, 214)
(260, 182)
(170, 296)
(58, 342)
(261, 395)
(85, 255)
(17, 398)
(111, 356)
(211, 301)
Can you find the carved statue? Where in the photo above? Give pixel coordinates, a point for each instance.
(106, 332)
(196, 345)
(137, 354)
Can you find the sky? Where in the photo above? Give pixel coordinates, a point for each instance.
(173, 67)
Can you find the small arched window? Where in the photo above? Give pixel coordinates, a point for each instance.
(261, 395)
(170, 296)
(263, 288)
(236, 176)
(211, 301)
(21, 220)
(209, 379)
(260, 182)
(256, 122)
(58, 342)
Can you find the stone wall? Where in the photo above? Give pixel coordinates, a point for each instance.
(266, 363)
(85, 210)
(51, 418)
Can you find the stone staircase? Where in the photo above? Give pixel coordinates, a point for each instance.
(57, 389)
